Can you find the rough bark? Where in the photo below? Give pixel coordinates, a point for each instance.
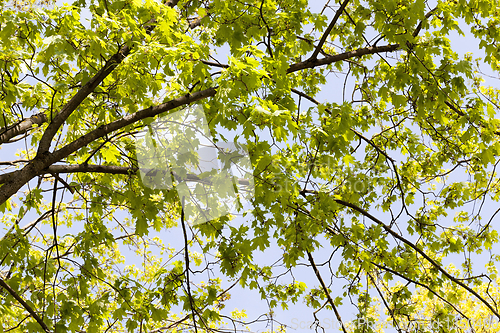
(43, 160)
(22, 127)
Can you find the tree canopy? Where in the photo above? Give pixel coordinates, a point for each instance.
(371, 142)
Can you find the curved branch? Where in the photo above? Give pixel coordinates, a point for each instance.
(391, 311)
(420, 24)
(419, 251)
(415, 282)
(186, 258)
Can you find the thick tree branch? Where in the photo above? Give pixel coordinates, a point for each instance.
(22, 127)
(109, 169)
(342, 56)
(42, 161)
(196, 22)
(130, 119)
(86, 90)
(25, 305)
(16, 180)
(78, 98)
(327, 31)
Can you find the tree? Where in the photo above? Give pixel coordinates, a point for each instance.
(369, 182)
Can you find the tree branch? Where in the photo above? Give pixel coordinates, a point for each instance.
(14, 162)
(327, 31)
(415, 282)
(186, 259)
(214, 64)
(419, 26)
(196, 22)
(22, 127)
(28, 308)
(127, 120)
(78, 98)
(44, 158)
(342, 56)
(391, 311)
(419, 251)
(86, 90)
(325, 289)
(42, 161)
(109, 169)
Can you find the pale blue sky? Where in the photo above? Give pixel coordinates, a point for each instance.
(298, 315)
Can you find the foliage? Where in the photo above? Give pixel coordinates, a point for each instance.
(389, 186)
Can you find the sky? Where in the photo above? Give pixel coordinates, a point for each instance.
(298, 317)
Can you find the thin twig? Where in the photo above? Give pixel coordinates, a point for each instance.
(186, 256)
(325, 289)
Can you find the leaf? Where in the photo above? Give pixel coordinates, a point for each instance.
(348, 159)
(377, 159)
(110, 154)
